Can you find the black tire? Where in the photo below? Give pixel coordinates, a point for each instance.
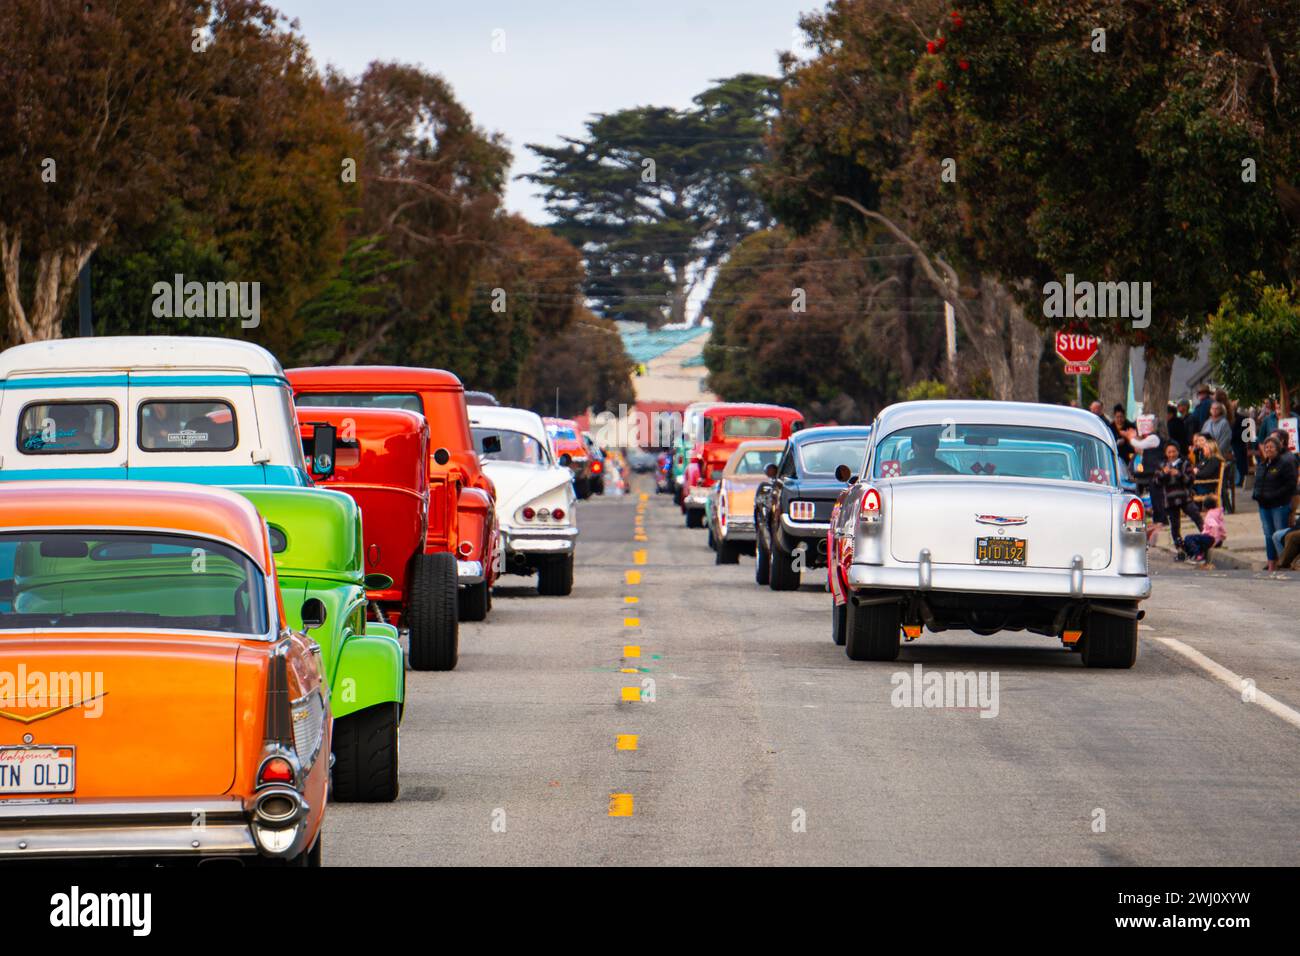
(598, 486)
(365, 755)
(582, 488)
(695, 517)
(871, 632)
(762, 561)
(474, 601)
(1109, 641)
(431, 614)
(783, 576)
(839, 622)
(726, 553)
(555, 576)
(713, 542)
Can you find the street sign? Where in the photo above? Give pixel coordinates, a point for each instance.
(1077, 351)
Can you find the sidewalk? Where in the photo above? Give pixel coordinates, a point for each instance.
(1244, 547)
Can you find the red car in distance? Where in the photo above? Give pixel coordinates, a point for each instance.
(722, 428)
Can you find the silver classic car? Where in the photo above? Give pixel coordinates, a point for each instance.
(989, 516)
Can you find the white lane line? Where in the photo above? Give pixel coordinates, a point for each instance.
(1234, 681)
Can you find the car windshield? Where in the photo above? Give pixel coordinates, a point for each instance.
(560, 433)
(515, 446)
(91, 579)
(754, 462)
(1012, 451)
(751, 426)
(404, 400)
(823, 457)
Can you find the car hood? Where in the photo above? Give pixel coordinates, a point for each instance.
(519, 483)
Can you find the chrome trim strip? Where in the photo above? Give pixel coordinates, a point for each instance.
(789, 524)
(981, 579)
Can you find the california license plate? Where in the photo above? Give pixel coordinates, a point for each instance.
(37, 770)
(1004, 551)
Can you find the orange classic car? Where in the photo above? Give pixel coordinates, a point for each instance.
(153, 703)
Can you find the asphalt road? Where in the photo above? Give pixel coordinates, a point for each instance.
(763, 744)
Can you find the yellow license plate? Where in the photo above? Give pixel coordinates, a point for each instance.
(1004, 551)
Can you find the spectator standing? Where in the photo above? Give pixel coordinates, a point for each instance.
(1175, 478)
(1275, 486)
(1240, 447)
(1217, 427)
(1199, 415)
(1176, 427)
(1268, 422)
(1123, 429)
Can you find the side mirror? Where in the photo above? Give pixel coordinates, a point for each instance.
(378, 582)
(770, 471)
(492, 444)
(566, 460)
(442, 456)
(842, 473)
(324, 436)
(313, 613)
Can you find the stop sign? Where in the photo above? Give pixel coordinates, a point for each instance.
(1076, 349)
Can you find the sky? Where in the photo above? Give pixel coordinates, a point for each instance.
(560, 61)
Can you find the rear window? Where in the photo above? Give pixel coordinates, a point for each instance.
(823, 457)
(751, 426)
(756, 462)
(515, 446)
(988, 451)
(55, 428)
(563, 434)
(187, 425)
(408, 401)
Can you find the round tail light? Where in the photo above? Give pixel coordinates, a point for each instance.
(529, 514)
(558, 514)
(466, 548)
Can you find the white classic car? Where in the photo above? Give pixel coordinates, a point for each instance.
(535, 501)
(989, 516)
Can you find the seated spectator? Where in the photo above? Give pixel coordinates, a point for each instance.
(1212, 533)
(1290, 555)
(1207, 466)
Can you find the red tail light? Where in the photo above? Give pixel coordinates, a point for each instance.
(1135, 515)
(466, 548)
(595, 467)
(275, 770)
(558, 514)
(871, 502)
(529, 514)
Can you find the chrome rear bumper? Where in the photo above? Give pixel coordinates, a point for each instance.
(123, 828)
(551, 541)
(982, 579)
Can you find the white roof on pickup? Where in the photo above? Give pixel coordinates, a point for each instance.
(1028, 414)
(128, 352)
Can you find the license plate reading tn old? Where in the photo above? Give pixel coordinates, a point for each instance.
(1005, 551)
(37, 770)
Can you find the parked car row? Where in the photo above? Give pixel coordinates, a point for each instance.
(224, 552)
(979, 516)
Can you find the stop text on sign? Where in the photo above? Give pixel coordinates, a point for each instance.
(1076, 349)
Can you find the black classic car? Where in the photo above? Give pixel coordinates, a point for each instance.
(792, 509)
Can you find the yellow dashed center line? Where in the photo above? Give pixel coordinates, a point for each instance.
(620, 804)
(631, 650)
(631, 622)
(638, 556)
(625, 742)
(631, 695)
(632, 577)
(631, 599)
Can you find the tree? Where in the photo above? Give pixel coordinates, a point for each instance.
(847, 148)
(586, 365)
(821, 324)
(656, 197)
(100, 109)
(1103, 139)
(1255, 341)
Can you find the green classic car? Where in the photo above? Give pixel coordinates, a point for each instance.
(317, 543)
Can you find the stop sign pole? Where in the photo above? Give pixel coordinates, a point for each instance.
(1077, 351)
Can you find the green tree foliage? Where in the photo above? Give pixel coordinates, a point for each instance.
(655, 197)
(586, 363)
(1255, 341)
